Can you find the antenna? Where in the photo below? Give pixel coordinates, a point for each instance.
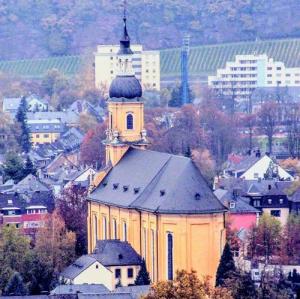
(184, 70)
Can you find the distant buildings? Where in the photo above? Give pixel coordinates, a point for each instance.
(242, 76)
(146, 66)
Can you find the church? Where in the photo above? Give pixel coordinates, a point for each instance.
(158, 202)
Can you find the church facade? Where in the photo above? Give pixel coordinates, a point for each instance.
(157, 202)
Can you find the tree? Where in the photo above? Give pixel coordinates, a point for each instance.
(143, 277)
(13, 167)
(265, 239)
(14, 252)
(29, 167)
(187, 285)
(176, 93)
(55, 245)
(87, 122)
(92, 150)
(16, 286)
(72, 207)
(21, 117)
(226, 267)
(268, 121)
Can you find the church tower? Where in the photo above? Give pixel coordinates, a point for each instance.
(125, 106)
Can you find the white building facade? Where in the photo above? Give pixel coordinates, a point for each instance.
(241, 77)
(146, 66)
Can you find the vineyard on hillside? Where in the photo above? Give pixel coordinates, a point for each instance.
(204, 60)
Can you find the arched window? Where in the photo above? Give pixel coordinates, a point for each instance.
(129, 122)
(169, 256)
(115, 229)
(111, 122)
(95, 228)
(124, 231)
(104, 228)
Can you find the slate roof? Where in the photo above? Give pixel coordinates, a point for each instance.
(157, 182)
(135, 291)
(244, 164)
(45, 126)
(30, 184)
(80, 288)
(66, 117)
(106, 296)
(115, 253)
(242, 205)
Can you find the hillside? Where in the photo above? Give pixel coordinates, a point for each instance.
(35, 29)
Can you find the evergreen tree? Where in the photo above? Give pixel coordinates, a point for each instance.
(176, 100)
(21, 118)
(13, 167)
(226, 267)
(188, 152)
(29, 167)
(16, 286)
(143, 277)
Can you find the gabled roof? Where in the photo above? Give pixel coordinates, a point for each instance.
(80, 288)
(157, 182)
(115, 253)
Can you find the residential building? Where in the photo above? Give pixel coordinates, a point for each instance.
(241, 77)
(34, 104)
(45, 130)
(112, 263)
(158, 202)
(254, 167)
(241, 215)
(146, 66)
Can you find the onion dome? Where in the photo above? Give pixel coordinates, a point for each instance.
(128, 87)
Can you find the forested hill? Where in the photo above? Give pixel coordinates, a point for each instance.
(41, 28)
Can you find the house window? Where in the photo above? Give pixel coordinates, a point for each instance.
(275, 213)
(232, 205)
(256, 203)
(46, 135)
(118, 273)
(129, 272)
(97, 266)
(104, 228)
(281, 201)
(169, 256)
(152, 254)
(129, 122)
(269, 201)
(124, 231)
(115, 229)
(37, 135)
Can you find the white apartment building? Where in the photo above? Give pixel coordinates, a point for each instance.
(146, 65)
(239, 78)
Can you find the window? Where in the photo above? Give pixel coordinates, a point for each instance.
(97, 266)
(281, 201)
(269, 201)
(256, 203)
(129, 272)
(275, 213)
(169, 256)
(124, 231)
(37, 135)
(129, 122)
(278, 68)
(46, 135)
(95, 228)
(152, 254)
(115, 229)
(118, 273)
(232, 205)
(104, 228)
(145, 242)
(111, 122)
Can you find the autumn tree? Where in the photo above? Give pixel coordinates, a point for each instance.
(87, 122)
(72, 207)
(248, 121)
(92, 149)
(268, 121)
(264, 240)
(187, 285)
(55, 245)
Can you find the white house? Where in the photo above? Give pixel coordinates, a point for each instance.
(261, 168)
(113, 263)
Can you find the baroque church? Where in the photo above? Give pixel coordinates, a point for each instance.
(156, 201)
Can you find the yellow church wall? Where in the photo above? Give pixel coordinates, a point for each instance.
(198, 239)
(117, 119)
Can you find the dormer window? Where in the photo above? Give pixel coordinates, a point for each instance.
(129, 122)
(269, 201)
(232, 205)
(281, 201)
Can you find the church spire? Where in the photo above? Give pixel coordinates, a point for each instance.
(125, 40)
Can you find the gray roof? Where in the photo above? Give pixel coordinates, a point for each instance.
(106, 296)
(244, 164)
(79, 288)
(157, 182)
(115, 253)
(66, 117)
(78, 266)
(135, 291)
(45, 126)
